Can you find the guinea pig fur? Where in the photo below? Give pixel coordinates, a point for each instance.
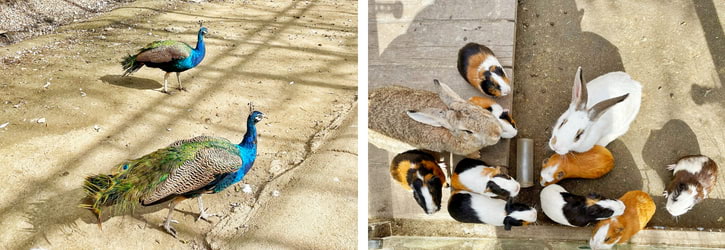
(477, 177)
(619, 229)
(479, 66)
(694, 178)
(592, 164)
(468, 207)
(418, 171)
(575, 210)
(508, 125)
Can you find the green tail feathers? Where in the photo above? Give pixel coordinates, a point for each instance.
(105, 190)
(130, 65)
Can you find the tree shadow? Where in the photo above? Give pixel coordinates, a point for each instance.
(131, 82)
(713, 31)
(666, 145)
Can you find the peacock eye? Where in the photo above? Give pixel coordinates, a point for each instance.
(579, 135)
(125, 166)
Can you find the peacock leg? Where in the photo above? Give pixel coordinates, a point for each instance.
(202, 212)
(166, 81)
(179, 80)
(168, 221)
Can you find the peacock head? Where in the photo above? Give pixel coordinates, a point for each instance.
(256, 116)
(203, 31)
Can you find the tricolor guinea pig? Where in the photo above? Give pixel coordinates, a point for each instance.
(592, 164)
(479, 66)
(575, 210)
(418, 171)
(508, 125)
(694, 178)
(469, 207)
(477, 177)
(639, 209)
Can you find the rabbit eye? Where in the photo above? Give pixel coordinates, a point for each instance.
(579, 134)
(562, 123)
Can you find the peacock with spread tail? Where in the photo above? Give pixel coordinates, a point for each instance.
(169, 56)
(185, 169)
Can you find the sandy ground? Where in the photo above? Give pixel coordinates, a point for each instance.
(69, 114)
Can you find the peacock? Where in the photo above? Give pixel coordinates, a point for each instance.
(169, 56)
(185, 169)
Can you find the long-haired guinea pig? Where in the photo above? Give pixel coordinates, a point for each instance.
(575, 210)
(479, 66)
(639, 209)
(694, 178)
(477, 177)
(592, 164)
(418, 171)
(469, 207)
(508, 125)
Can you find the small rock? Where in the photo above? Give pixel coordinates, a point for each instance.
(47, 84)
(276, 167)
(275, 193)
(168, 129)
(720, 219)
(336, 179)
(96, 128)
(247, 189)
(292, 82)
(41, 120)
(82, 93)
(4, 124)
(700, 228)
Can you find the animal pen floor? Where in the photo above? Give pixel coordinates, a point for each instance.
(674, 49)
(295, 60)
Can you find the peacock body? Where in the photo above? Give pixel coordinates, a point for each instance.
(185, 169)
(167, 55)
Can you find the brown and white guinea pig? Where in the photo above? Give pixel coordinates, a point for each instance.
(477, 177)
(592, 164)
(619, 229)
(469, 207)
(479, 66)
(695, 176)
(575, 210)
(418, 171)
(508, 125)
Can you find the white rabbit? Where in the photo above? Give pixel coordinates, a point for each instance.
(595, 115)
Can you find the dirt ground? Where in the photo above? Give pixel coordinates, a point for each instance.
(66, 113)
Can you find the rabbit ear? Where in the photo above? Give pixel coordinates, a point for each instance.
(598, 109)
(446, 93)
(431, 116)
(579, 91)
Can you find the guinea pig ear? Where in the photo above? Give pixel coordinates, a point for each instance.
(447, 94)
(598, 109)
(579, 91)
(430, 116)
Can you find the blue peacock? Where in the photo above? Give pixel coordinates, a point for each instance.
(169, 56)
(183, 170)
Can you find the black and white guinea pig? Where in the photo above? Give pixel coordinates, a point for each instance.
(477, 177)
(469, 207)
(575, 210)
(418, 171)
(694, 178)
(479, 66)
(508, 125)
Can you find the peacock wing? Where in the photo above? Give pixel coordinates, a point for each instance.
(195, 174)
(163, 51)
(202, 138)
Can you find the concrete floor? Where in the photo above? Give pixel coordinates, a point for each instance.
(675, 49)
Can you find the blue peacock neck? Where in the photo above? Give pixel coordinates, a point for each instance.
(250, 137)
(200, 50)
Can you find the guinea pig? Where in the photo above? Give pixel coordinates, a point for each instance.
(592, 164)
(508, 125)
(575, 210)
(477, 177)
(468, 207)
(418, 171)
(479, 66)
(694, 178)
(639, 209)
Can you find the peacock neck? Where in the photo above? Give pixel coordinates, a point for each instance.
(250, 138)
(200, 49)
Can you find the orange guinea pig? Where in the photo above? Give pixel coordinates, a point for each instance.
(592, 164)
(639, 209)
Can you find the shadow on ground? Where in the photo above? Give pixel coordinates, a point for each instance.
(131, 82)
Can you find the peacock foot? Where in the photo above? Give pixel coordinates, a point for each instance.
(183, 89)
(205, 216)
(167, 225)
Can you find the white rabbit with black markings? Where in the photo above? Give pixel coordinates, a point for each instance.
(600, 111)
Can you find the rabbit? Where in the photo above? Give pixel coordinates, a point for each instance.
(418, 172)
(639, 209)
(477, 177)
(435, 122)
(508, 125)
(479, 66)
(575, 210)
(694, 178)
(600, 111)
(470, 207)
(592, 164)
